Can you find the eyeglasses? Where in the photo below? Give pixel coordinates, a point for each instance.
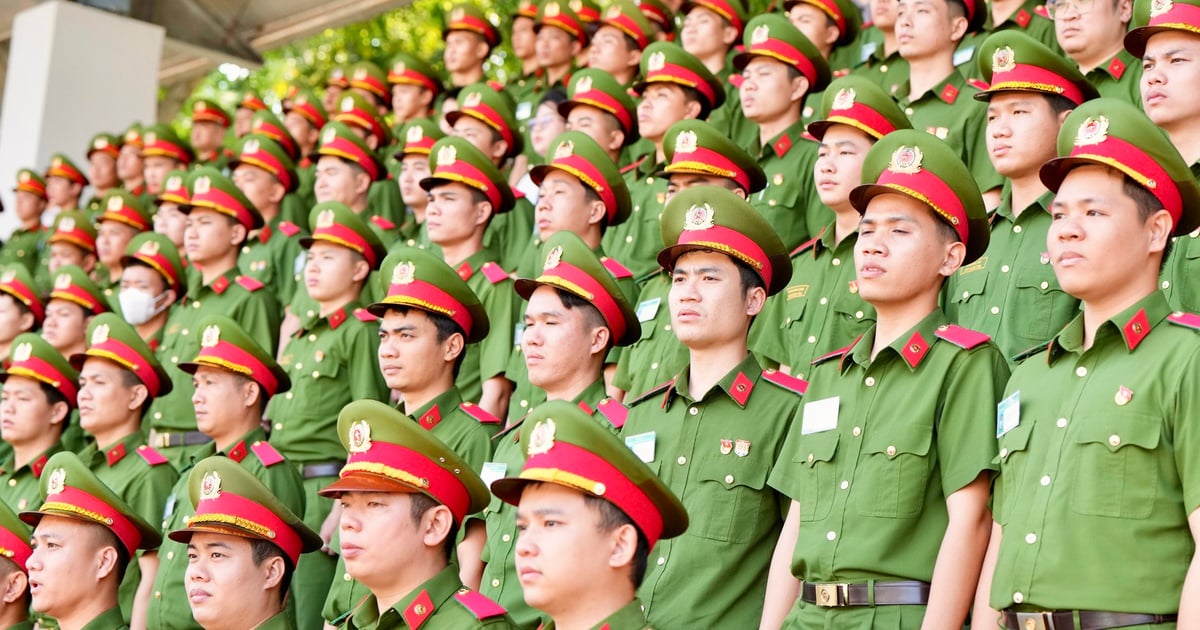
(1055, 7)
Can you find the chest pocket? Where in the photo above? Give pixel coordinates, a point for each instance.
(814, 465)
(1044, 306)
(1116, 469)
(1011, 460)
(968, 286)
(738, 502)
(893, 472)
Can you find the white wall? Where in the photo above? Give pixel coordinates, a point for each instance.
(73, 71)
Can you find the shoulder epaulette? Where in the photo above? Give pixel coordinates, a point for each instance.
(837, 74)
(840, 352)
(288, 228)
(1189, 320)
(736, 80)
(517, 194)
(616, 268)
(152, 457)
(479, 413)
(961, 337)
(495, 274)
(632, 165)
(364, 315)
(1025, 354)
(249, 284)
(266, 453)
(652, 392)
(786, 381)
(613, 411)
(977, 84)
(383, 223)
(478, 604)
(1042, 11)
(805, 246)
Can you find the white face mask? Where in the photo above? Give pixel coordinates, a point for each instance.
(138, 306)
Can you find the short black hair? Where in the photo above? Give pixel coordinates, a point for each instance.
(590, 195)
(444, 326)
(134, 262)
(1147, 204)
(555, 96)
(129, 380)
(592, 317)
(53, 397)
(749, 277)
(612, 517)
(263, 396)
(1059, 103)
(263, 550)
(692, 94)
(421, 504)
(106, 538)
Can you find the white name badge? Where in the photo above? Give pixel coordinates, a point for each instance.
(492, 471)
(642, 445)
(648, 309)
(1008, 414)
(820, 415)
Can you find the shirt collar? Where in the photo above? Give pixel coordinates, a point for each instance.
(591, 395)
(430, 415)
(414, 608)
(912, 346)
(110, 619)
(126, 445)
(1129, 327)
(335, 318)
(782, 143)
(738, 383)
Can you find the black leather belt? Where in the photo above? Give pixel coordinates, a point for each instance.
(838, 594)
(1088, 620)
(328, 469)
(169, 439)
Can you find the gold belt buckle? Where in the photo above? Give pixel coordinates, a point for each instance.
(1033, 620)
(160, 440)
(827, 595)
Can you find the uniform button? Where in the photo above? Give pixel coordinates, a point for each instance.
(157, 594)
(524, 404)
(12, 482)
(316, 374)
(649, 180)
(845, 484)
(496, 583)
(311, 312)
(1016, 229)
(869, 381)
(831, 535)
(1045, 480)
(1166, 284)
(837, 262)
(312, 337)
(174, 359)
(1044, 285)
(908, 110)
(299, 366)
(278, 426)
(824, 301)
(995, 310)
(1081, 371)
(158, 415)
(667, 327)
(858, 314)
(662, 561)
(682, 460)
(811, 458)
(857, 431)
(346, 577)
(1004, 452)
(1062, 422)
(288, 395)
(196, 304)
(771, 203)
(170, 555)
(693, 411)
(891, 451)
(184, 332)
(966, 294)
(1003, 268)
(728, 478)
(1031, 538)
(1114, 440)
(812, 339)
(654, 366)
(506, 538)
(629, 239)
(1018, 597)
(883, 68)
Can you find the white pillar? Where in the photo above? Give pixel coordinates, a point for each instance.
(73, 71)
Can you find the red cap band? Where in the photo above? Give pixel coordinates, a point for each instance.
(223, 202)
(128, 358)
(238, 511)
(98, 512)
(705, 160)
(412, 468)
(421, 294)
(929, 189)
(863, 118)
(732, 243)
(782, 51)
(343, 148)
(42, 371)
(1030, 77)
(1135, 163)
(230, 357)
(574, 280)
(15, 548)
(339, 234)
(672, 73)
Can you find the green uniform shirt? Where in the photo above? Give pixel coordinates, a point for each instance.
(441, 606)
(819, 312)
(273, 257)
(729, 117)
(715, 574)
(637, 241)
(500, 581)
(1011, 293)
(383, 198)
(629, 617)
(24, 247)
(109, 620)
(446, 418)
(1120, 77)
(19, 487)
(657, 355)
(488, 358)
(331, 361)
(872, 484)
(789, 202)
(296, 205)
(1031, 19)
(1099, 472)
(949, 111)
(509, 233)
(279, 622)
(889, 71)
(126, 468)
(24, 625)
(241, 299)
(169, 608)
(1179, 279)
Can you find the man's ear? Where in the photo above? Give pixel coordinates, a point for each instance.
(273, 569)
